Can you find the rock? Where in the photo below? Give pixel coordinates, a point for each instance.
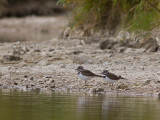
(92, 90)
(37, 50)
(121, 49)
(82, 42)
(25, 76)
(43, 63)
(62, 66)
(100, 90)
(66, 33)
(32, 84)
(151, 45)
(22, 64)
(107, 44)
(110, 55)
(11, 59)
(129, 50)
(44, 53)
(50, 81)
(30, 58)
(127, 43)
(48, 77)
(96, 90)
(15, 83)
(20, 50)
(77, 52)
(37, 89)
(32, 78)
(51, 50)
(40, 81)
(122, 86)
(147, 81)
(53, 86)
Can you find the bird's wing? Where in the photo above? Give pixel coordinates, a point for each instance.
(113, 76)
(88, 73)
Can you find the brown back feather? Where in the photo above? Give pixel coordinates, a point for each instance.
(113, 76)
(89, 73)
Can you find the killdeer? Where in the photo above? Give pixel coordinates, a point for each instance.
(110, 77)
(85, 74)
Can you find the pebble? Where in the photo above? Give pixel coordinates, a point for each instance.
(25, 76)
(51, 50)
(11, 59)
(32, 78)
(37, 50)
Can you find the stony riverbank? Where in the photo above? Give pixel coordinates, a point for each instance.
(50, 65)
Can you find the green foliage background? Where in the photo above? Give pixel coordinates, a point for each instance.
(129, 14)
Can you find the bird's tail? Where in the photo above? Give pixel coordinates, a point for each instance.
(98, 76)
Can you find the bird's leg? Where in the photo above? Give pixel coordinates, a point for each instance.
(85, 83)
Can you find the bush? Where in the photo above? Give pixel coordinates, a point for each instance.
(111, 14)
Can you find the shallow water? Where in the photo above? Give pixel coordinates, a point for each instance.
(58, 106)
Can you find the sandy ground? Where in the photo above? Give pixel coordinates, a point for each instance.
(51, 64)
(31, 28)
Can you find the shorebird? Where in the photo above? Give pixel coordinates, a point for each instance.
(85, 74)
(110, 77)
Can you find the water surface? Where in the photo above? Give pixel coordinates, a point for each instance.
(58, 106)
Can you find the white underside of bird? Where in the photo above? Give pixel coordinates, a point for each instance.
(107, 79)
(85, 78)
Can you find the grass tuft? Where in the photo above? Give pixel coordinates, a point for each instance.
(110, 14)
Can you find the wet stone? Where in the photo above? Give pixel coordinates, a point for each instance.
(15, 83)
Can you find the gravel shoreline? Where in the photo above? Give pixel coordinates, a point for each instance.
(50, 65)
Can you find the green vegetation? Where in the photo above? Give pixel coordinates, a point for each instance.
(112, 14)
(22, 1)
